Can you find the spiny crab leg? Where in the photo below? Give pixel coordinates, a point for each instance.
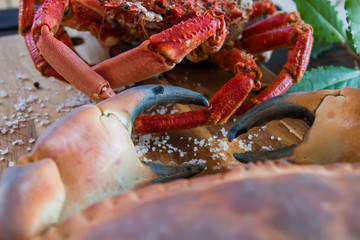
(26, 18)
(268, 35)
(58, 56)
(332, 114)
(274, 32)
(164, 50)
(221, 106)
(84, 157)
(261, 8)
(158, 54)
(71, 67)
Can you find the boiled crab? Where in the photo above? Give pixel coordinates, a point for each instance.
(196, 29)
(255, 201)
(260, 202)
(84, 157)
(333, 137)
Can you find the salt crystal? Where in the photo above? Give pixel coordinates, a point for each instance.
(17, 142)
(224, 145)
(245, 146)
(21, 76)
(268, 148)
(5, 151)
(3, 94)
(223, 156)
(224, 132)
(44, 123)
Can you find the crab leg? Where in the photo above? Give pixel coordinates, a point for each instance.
(52, 50)
(231, 96)
(332, 114)
(222, 105)
(26, 17)
(158, 54)
(261, 8)
(298, 36)
(164, 50)
(70, 66)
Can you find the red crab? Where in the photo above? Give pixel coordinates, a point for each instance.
(196, 29)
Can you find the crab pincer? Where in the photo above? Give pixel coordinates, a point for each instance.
(334, 117)
(84, 157)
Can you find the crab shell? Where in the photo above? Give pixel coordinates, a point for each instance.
(155, 16)
(82, 158)
(260, 202)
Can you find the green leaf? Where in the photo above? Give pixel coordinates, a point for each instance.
(350, 41)
(320, 46)
(352, 8)
(324, 18)
(328, 77)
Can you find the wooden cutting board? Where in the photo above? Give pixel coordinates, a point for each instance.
(29, 103)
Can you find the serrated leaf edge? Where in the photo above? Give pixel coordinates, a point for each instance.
(357, 48)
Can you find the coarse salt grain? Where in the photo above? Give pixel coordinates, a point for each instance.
(246, 146)
(5, 151)
(268, 148)
(21, 76)
(17, 142)
(3, 94)
(44, 123)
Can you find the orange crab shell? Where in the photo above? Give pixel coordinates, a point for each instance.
(261, 202)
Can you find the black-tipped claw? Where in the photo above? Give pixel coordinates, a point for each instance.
(172, 171)
(275, 108)
(127, 105)
(167, 94)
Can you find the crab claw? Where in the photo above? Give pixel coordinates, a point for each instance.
(84, 157)
(334, 117)
(146, 97)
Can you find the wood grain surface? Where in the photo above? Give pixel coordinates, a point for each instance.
(29, 103)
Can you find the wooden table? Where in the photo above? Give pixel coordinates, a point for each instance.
(26, 111)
